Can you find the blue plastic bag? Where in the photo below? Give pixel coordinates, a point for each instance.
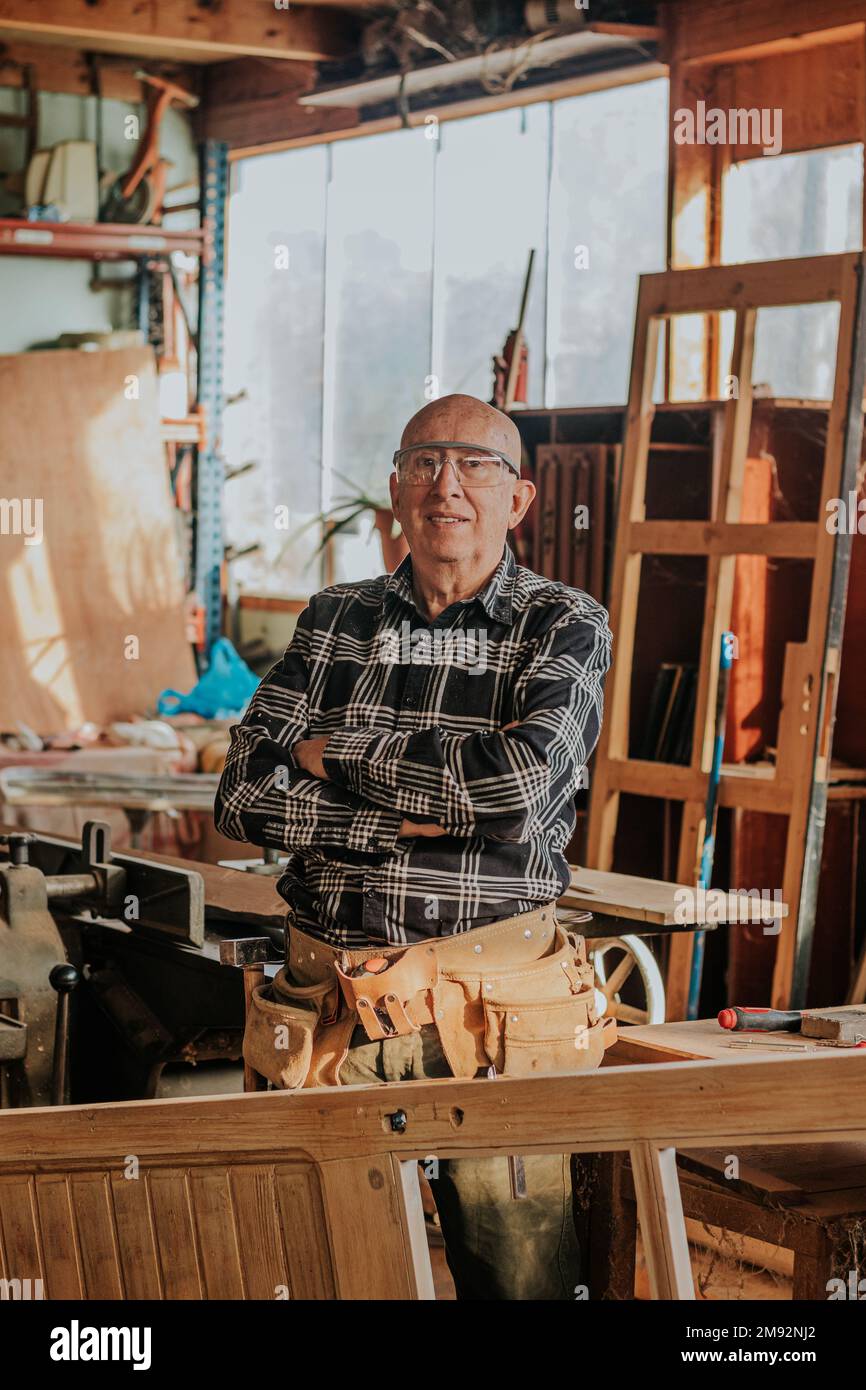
(224, 690)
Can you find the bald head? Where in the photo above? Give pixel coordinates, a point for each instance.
(464, 420)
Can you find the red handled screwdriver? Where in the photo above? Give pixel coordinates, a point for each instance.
(761, 1020)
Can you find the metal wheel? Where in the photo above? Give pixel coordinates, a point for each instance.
(627, 954)
(115, 208)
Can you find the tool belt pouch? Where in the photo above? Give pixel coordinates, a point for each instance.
(544, 1019)
(382, 1002)
(281, 1022)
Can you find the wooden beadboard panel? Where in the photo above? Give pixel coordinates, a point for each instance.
(210, 1230)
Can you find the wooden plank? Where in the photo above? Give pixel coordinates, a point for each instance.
(107, 569)
(758, 285)
(832, 74)
(218, 1237)
(627, 896)
(261, 1255)
(781, 539)
(625, 582)
(365, 1210)
(662, 1225)
(681, 948)
(718, 597)
(822, 657)
(182, 29)
(179, 1258)
(19, 1230)
(768, 1100)
(63, 1274)
(251, 100)
(97, 1242)
(136, 1236)
(720, 568)
(414, 1230)
(305, 1240)
(731, 29)
(740, 786)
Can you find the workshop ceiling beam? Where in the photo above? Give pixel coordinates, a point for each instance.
(191, 31)
(731, 29)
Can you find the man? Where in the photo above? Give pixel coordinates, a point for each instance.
(417, 751)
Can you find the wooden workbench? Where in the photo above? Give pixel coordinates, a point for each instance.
(800, 1205)
(704, 1038)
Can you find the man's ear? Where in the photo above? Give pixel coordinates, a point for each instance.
(521, 499)
(394, 488)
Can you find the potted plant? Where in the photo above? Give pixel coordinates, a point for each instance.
(348, 509)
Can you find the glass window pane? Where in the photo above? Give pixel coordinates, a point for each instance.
(273, 354)
(487, 221)
(793, 205)
(607, 227)
(380, 260)
(377, 325)
(807, 204)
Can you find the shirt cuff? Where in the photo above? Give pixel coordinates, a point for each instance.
(374, 831)
(347, 753)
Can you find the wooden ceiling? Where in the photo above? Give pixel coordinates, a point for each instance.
(188, 31)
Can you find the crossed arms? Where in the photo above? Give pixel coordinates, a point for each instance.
(364, 789)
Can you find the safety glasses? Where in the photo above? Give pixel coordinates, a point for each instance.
(421, 464)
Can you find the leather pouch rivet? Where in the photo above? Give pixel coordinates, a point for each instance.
(527, 933)
(477, 950)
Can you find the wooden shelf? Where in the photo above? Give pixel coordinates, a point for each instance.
(94, 241)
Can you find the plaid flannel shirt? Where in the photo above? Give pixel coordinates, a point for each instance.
(415, 713)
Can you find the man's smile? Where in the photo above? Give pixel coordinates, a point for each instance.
(443, 519)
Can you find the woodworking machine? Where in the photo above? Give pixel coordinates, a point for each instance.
(111, 985)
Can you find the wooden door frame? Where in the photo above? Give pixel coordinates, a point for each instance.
(368, 1239)
(798, 788)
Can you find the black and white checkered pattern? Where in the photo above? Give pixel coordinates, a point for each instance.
(422, 739)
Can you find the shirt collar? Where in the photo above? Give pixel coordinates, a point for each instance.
(496, 598)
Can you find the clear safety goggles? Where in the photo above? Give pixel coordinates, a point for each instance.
(421, 464)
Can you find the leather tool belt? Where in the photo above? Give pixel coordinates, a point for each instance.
(516, 995)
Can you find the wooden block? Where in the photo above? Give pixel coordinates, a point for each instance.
(840, 1025)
